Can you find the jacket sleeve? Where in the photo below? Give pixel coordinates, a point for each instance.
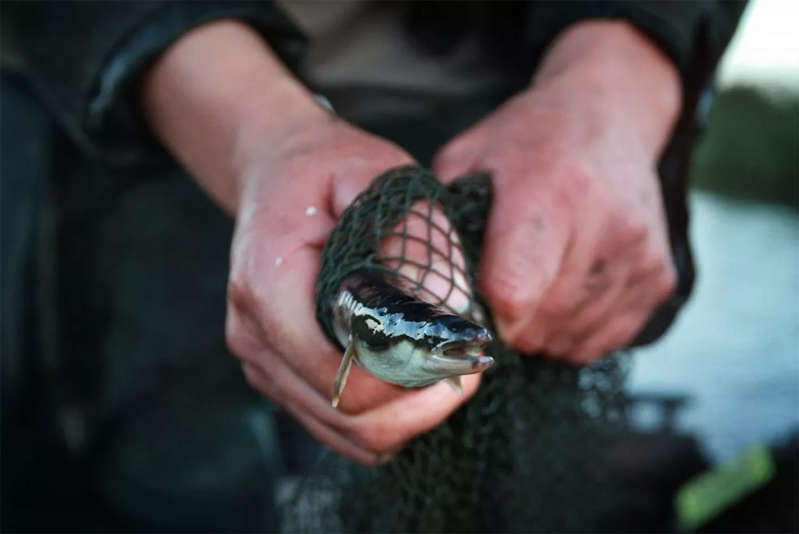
(83, 59)
(694, 35)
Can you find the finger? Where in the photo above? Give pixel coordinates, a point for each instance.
(354, 175)
(457, 157)
(601, 281)
(381, 429)
(641, 296)
(321, 431)
(566, 336)
(279, 377)
(526, 240)
(288, 322)
(607, 339)
(395, 422)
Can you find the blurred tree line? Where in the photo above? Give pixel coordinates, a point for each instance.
(751, 146)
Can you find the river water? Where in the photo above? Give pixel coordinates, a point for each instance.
(734, 349)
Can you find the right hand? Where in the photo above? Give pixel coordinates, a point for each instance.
(287, 174)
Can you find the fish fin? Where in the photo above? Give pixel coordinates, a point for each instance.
(342, 374)
(455, 382)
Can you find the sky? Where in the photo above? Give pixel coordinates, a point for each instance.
(765, 49)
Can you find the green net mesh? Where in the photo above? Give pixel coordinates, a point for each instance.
(406, 225)
(525, 453)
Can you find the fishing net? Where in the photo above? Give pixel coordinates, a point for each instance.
(525, 453)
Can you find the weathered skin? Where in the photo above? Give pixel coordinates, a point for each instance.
(401, 339)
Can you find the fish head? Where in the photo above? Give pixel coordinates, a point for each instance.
(417, 353)
(455, 346)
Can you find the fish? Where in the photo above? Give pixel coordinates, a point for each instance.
(401, 339)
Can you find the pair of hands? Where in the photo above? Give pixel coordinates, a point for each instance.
(576, 254)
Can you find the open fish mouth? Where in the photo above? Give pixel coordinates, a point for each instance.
(471, 345)
(463, 356)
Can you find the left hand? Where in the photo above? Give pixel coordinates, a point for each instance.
(253, 137)
(576, 253)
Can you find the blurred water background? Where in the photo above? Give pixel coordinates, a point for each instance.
(733, 354)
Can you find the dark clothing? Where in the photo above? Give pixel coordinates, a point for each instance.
(82, 59)
(85, 70)
(128, 260)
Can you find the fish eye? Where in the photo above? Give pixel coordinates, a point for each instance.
(370, 331)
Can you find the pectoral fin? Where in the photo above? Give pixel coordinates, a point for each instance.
(455, 382)
(342, 374)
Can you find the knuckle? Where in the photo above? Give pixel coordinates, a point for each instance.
(504, 291)
(516, 277)
(270, 325)
(247, 314)
(652, 264)
(250, 326)
(663, 284)
(238, 296)
(237, 342)
(258, 381)
(629, 228)
(250, 378)
(564, 302)
(624, 334)
(238, 338)
(670, 280)
(618, 340)
(663, 291)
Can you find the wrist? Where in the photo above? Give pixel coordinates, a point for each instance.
(609, 72)
(217, 98)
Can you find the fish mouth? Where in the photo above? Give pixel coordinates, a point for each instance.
(463, 356)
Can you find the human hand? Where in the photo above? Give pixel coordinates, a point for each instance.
(576, 252)
(256, 141)
(291, 202)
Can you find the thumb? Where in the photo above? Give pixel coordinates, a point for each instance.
(455, 159)
(524, 247)
(351, 180)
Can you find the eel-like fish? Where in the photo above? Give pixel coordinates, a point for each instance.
(401, 339)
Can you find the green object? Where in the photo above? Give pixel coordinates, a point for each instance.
(751, 148)
(710, 493)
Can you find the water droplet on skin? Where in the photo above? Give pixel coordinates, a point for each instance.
(310, 210)
(278, 261)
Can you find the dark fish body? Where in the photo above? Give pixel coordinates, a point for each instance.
(402, 339)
